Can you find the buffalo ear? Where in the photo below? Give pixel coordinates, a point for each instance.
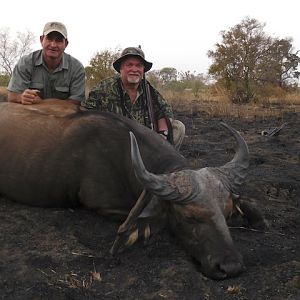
(153, 208)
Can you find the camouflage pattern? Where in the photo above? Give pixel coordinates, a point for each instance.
(106, 97)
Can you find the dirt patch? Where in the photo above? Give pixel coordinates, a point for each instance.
(63, 253)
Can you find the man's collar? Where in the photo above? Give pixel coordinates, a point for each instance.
(64, 64)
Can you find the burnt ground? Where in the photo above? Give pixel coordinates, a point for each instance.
(64, 253)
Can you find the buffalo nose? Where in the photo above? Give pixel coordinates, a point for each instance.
(232, 269)
(225, 267)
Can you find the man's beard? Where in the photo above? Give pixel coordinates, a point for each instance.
(133, 79)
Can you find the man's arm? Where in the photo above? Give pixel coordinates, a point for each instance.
(14, 97)
(77, 84)
(27, 97)
(162, 125)
(101, 95)
(162, 110)
(90, 103)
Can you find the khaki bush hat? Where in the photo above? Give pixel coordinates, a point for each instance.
(132, 51)
(55, 26)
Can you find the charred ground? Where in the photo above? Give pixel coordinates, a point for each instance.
(64, 254)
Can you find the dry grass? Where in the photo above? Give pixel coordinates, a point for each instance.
(288, 99)
(72, 280)
(220, 105)
(216, 104)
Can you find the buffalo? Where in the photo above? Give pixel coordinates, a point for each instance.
(55, 154)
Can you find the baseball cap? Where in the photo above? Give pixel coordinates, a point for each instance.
(55, 26)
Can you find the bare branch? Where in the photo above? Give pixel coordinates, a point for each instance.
(12, 50)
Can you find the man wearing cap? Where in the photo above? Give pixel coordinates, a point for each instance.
(125, 94)
(49, 72)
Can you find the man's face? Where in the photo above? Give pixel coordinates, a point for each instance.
(54, 45)
(132, 70)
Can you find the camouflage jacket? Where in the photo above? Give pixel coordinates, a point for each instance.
(109, 95)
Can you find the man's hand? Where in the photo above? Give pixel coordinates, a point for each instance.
(163, 134)
(30, 97)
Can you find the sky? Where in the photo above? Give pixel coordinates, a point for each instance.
(172, 33)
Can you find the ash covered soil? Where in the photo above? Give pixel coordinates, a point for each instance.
(64, 253)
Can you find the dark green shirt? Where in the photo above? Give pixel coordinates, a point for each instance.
(109, 95)
(66, 82)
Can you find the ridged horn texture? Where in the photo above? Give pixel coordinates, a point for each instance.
(182, 186)
(151, 182)
(172, 187)
(233, 173)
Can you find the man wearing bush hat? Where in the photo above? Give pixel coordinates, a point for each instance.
(128, 94)
(49, 72)
(133, 52)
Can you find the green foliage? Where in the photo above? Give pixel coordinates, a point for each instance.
(168, 74)
(183, 81)
(193, 82)
(100, 67)
(154, 79)
(248, 59)
(4, 79)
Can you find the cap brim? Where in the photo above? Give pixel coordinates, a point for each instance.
(47, 32)
(117, 63)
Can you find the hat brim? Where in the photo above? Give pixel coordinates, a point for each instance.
(55, 30)
(117, 63)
